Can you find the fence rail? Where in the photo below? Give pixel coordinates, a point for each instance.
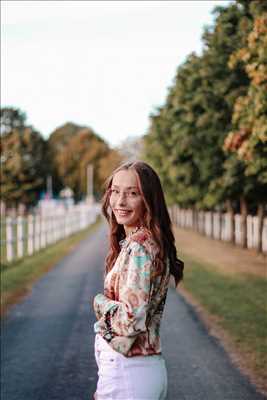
(218, 226)
(22, 236)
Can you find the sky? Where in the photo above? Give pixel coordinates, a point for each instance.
(103, 64)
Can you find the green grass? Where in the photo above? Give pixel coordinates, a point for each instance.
(240, 302)
(17, 278)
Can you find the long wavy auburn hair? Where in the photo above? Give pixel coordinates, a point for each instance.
(156, 220)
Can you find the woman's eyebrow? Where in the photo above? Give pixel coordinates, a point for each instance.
(129, 187)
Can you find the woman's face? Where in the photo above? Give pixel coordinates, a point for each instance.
(126, 201)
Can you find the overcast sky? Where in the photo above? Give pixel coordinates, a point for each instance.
(103, 64)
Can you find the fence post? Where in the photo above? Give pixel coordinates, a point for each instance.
(264, 235)
(256, 236)
(222, 227)
(42, 231)
(20, 237)
(47, 229)
(52, 226)
(244, 213)
(217, 228)
(30, 235)
(225, 226)
(249, 225)
(260, 215)
(53, 230)
(61, 221)
(37, 233)
(56, 228)
(207, 223)
(9, 240)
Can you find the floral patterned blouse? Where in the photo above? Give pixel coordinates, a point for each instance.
(130, 310)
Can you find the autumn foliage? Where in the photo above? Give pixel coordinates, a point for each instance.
(27, 159)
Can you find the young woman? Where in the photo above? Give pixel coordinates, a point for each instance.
(141, 257)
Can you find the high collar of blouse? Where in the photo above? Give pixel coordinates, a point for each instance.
(126, 240)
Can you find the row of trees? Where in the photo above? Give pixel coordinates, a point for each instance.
(209, 140)
(27, 159)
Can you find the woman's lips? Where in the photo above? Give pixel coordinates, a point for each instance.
(123, 213)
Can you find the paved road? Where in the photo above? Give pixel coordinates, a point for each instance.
(48, 340)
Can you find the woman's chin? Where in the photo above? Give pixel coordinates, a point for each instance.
(126, 221)
(123, 220)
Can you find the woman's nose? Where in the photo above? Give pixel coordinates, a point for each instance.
(121, 198)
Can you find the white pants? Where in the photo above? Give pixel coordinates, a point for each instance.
(128, 378)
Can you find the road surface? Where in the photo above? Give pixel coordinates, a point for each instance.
(48, 340)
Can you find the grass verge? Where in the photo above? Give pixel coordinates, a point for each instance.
(238, 306)
(18, 277)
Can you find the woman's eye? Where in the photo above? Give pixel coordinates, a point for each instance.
(133, 193)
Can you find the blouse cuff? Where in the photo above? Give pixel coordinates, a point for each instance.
(103, 305)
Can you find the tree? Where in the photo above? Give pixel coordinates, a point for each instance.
(247, 141)
(23, 166)
(186, 140)
(11, 118)
(187, 135)
(72, 149)
(107, 165)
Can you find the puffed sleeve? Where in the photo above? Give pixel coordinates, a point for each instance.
(127, 317)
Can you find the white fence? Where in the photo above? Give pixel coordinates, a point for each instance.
(22, 236)
(218, 226)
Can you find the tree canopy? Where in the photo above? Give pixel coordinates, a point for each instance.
(73, 148)
(208, 141)
(23, 160)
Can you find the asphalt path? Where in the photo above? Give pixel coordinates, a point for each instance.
(47, 346)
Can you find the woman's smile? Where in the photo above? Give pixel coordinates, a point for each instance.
(122, 213)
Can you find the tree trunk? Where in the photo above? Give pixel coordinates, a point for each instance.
(260, 213)
(244, 213)
(230, 211)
